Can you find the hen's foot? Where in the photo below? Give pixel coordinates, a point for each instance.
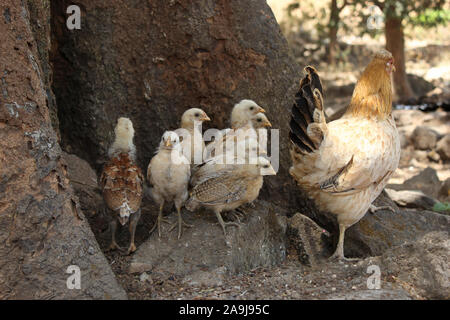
(337, 257)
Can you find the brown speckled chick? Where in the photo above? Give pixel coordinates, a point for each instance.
(168, 173)
(122, 182)
(226, 187)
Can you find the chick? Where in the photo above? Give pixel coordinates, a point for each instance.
(243, 111)
(122, 182)
(192, 143)
(226, 187)
(169, 172)
(241, 116)
(246, 142)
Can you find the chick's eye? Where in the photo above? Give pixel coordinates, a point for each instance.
(251, 108)
(259, 120)
(197, 115)
(266, 166)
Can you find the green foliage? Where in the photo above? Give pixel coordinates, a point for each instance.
(431, 18)
(442, 207)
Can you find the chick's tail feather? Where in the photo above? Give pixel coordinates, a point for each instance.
(308, 125)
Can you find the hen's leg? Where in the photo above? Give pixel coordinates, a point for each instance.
(133, 223)
(339, 253)
(373, 208)
(224, 224)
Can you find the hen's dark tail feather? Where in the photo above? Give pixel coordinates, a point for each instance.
(303, 110)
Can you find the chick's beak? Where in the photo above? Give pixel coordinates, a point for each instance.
(168, 143)
(261, 110)
(205, 118)
(267, 124)
(268, 171)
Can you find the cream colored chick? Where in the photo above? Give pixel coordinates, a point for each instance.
(226, 187)
(122, 182)
(169, 173)
(243, 112)
(245, 142)
(192, 143)
(241, 116)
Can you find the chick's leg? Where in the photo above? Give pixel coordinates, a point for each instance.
(180, 222)
(133, 223)
(159, 220)
(113, 227)
(223, 223)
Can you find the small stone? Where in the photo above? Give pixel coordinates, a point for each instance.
(91, 250)
(443, 148)
(144, 277)
(424, 138)
(433, 156)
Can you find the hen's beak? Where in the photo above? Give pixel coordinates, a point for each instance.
(205, 118)
(168, 143)
(261, 110)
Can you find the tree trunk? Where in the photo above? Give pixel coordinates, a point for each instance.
(42, 230)
(395, 43)
(332, 32)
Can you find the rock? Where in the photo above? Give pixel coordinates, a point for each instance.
(310, 241)
(426, 181)
(443, 148)
(433, 156)
(84, 181)
(404, 139)
(444, 192)
(421, 155)
(376, 233)
(424, 138)
(42, 230)
(411, 199)
(422, 265)
(261, 241)
(407, 118)
(145, 277)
